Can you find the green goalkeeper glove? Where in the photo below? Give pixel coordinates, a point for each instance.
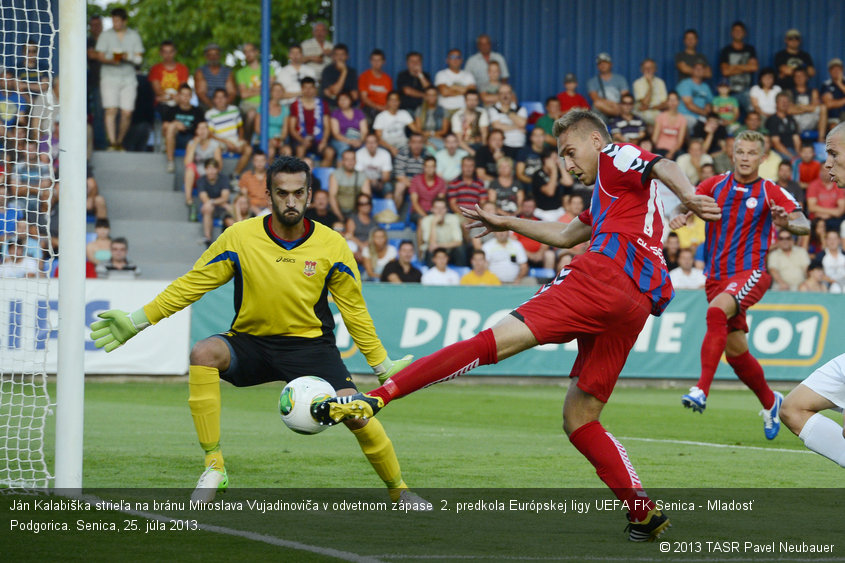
(117, 327)
(389, 368)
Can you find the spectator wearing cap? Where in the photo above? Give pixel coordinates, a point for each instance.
(738, 63)
(833, 91)
(686, 59)
(791, 58)
(569, 98)
(477, 63)
(291, 75)
(606, 88)
(213, 75)
(649, 92)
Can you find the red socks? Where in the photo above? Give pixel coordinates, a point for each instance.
(712, 347)
(750, 372)
(613, 467)
(443, 365)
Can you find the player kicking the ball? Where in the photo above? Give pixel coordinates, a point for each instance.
(825, 388)
(602, 299)
(735, 249)
(284, 266)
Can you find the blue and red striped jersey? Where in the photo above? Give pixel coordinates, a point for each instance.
(743, 237)
(626, 218)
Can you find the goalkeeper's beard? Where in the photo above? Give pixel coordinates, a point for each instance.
(289, 217)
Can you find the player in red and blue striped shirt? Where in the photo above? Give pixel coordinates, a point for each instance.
(602, 299)
(735, 251)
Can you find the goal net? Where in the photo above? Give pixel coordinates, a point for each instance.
(28, 145)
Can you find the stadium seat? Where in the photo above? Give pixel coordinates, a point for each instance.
(534, 107)
(385, 204)
(530, 109)
(460, 270)
(323, 174)
(541, 273)
(90, 237)
(810, 135)
(821, 152)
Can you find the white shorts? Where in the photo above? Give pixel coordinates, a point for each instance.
(119, 92)
(829, 381)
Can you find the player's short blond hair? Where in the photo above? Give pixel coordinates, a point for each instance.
(838, 131)
(584, 120)
(754, 137)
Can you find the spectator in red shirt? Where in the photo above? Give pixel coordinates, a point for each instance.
(826, 201)
(425, 187)
(168, 75)
(374, 85)
(807, 169)
(569, 98)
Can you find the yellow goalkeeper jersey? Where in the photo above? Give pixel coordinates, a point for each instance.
(281, 287)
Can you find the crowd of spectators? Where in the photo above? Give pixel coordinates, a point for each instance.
(413, 149)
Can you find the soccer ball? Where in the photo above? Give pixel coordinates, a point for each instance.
(296, 400)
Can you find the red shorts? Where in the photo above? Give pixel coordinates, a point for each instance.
(747, 288)
(597, 304)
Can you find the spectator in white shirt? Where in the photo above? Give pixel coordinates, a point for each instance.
(507, 257)
(833, 261)
(377, 166)
(390, 125)
(452, 82)
(440, 274)
(508, 116)
(449, 158)
(290, 75)
(685, 276)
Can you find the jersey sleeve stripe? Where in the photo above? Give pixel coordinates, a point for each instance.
(341, 267)
(646, 177)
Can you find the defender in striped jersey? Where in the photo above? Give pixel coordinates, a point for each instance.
(824, 388)
(735, 251)
(602, 299)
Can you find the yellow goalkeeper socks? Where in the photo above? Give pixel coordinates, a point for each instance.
(379, 451)
(204, 400)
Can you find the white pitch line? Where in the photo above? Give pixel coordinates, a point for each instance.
(272, 540)
(713, 445)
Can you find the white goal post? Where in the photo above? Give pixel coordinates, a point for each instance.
(70, 377)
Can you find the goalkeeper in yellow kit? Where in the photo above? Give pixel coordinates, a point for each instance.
(284, 266)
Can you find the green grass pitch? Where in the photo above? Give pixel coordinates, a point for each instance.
(451, 437)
